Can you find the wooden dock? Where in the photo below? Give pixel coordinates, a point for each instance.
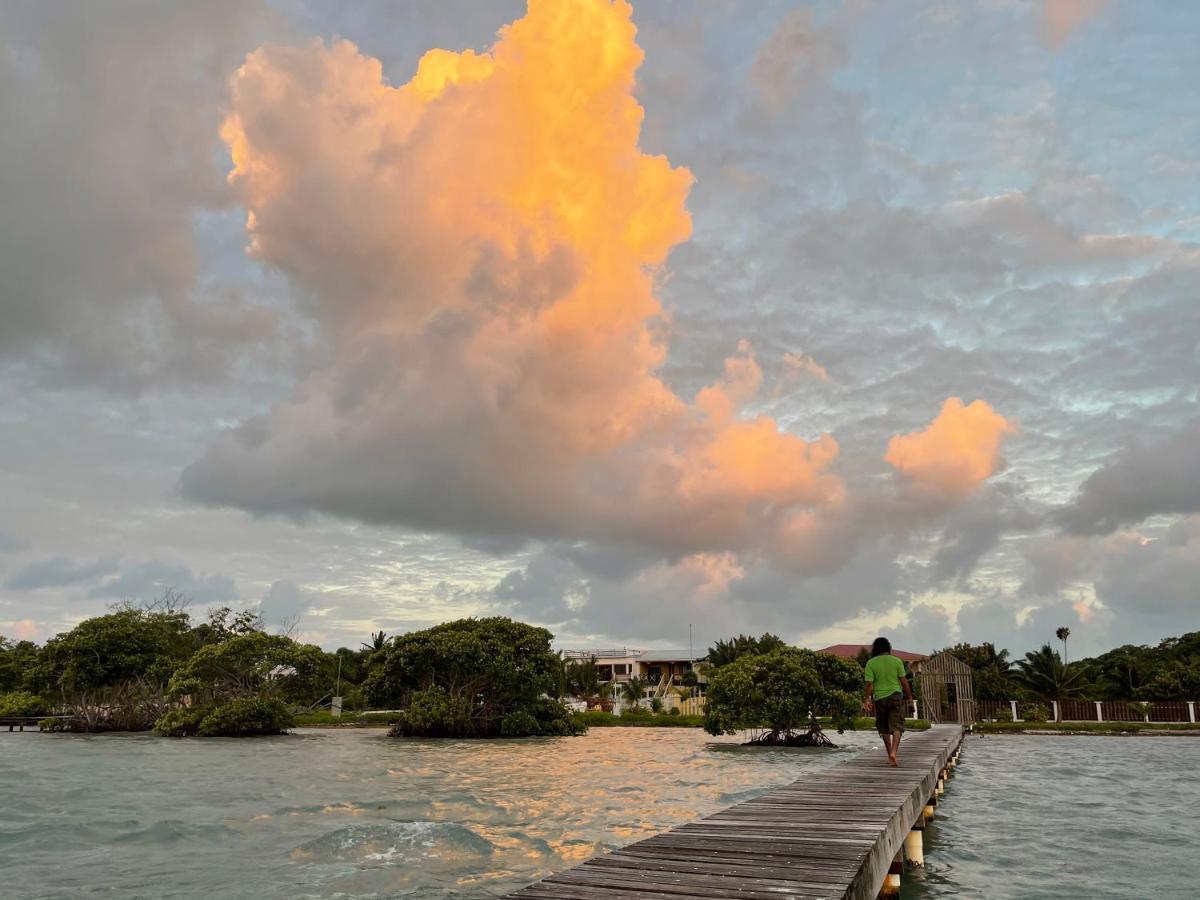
(834, 833)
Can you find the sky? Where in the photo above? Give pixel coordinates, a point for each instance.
(830, 319)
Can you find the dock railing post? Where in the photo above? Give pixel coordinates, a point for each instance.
(1192, 711)
(1014, 710)
(1054, 703)
(1099, 712)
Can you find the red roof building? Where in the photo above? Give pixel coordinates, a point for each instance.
(851, 651)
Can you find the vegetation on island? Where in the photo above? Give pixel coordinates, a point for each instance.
(153, 666)
(781, 693)
(142, 667)
(472, 678)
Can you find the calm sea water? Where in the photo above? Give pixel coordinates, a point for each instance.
(1068, 817)
(355, 814)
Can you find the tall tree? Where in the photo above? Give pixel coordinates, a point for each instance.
(471, 678)
(1062, 633)
(583, 680)
(111, 671)
(724, 652)
(633, 691)
(990, 670)
(1043, 674)
(783, 692)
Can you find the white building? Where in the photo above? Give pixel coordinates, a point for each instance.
(662, 670)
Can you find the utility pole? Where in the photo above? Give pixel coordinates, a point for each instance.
(691, 650)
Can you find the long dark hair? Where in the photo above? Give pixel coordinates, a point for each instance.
(881, 646)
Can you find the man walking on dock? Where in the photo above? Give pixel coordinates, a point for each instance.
(885, 679)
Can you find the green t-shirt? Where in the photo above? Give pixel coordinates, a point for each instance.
(885, 671)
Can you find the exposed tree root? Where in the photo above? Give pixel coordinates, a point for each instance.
(814, 737)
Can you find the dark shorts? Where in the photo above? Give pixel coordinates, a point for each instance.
(889, 714)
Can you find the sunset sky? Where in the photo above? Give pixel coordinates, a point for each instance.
(828, 319)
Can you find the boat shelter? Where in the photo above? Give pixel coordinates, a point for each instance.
(946, 691)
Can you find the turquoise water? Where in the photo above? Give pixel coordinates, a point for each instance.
(355, 814)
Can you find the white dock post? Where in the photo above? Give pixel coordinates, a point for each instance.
(914, 846)
(1099, 712)
(891, 881)
(1192, 711)
(1014, 710)
(1054, 703)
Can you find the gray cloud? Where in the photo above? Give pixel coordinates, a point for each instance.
(285, 603)
(12, 544)
(100, 185)
(146, 581)
(1143, 480)
(1152, 583)
(58, 571)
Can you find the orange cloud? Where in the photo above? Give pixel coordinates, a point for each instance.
(480, 245)
(957, 452)
(1061, 17)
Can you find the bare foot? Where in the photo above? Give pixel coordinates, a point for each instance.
(892, 760)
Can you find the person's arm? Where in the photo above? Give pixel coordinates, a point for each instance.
(907, 690)
(869, 697)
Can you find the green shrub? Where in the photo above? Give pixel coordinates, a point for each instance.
(434, 713)
(461, 679)
(182, 722)
(674, 711)
(553, 718)
(656, 705)
(246, 718)
(1033, 712)
(22, 703)
(518, 724)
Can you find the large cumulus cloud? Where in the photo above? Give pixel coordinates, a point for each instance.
(480, 246)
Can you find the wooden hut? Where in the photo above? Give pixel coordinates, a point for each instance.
(946, 692)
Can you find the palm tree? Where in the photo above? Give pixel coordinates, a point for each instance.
(1043, 674)
(1062, 634)
(379, 640)
(633, 691)
(583, 680)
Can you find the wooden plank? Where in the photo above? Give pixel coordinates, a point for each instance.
(830, 834)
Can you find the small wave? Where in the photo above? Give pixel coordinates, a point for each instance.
(396, 842)
(171, 831)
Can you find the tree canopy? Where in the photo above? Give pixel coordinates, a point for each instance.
(782, 692)
(724, 652)
(471, 678)
(1044, 675)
